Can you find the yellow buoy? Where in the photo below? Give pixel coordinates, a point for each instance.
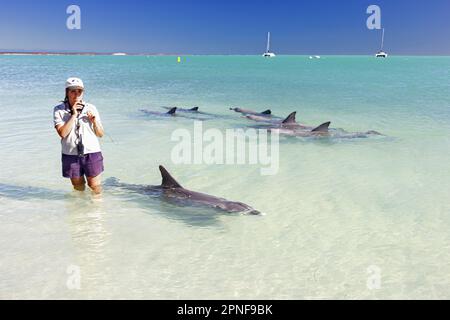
(179, 59)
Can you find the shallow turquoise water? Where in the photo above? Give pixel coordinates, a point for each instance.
(334, 209)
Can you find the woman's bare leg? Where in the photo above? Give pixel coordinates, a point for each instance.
(79, 184)
(95, 183)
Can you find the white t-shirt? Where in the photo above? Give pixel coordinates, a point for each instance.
(61, 114)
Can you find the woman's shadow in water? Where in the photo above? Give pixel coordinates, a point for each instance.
(30, 193)
(145, 197)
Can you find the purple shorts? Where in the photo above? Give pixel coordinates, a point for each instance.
(91, 165)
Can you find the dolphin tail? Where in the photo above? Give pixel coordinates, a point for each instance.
(290, 118)
(167, 180)
(194, 109)
(172, 111)
(267, 112)
(322, 128)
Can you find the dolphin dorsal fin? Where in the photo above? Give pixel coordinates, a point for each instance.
(322, 128)
(290, 118)
(267, 112)
(172, 111)
(194, 109)
(167, 180)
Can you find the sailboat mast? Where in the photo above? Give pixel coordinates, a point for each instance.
(382, 41)
(268, 42)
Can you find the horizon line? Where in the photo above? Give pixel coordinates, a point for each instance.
(122, 53)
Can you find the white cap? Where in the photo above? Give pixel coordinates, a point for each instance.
(74, 83)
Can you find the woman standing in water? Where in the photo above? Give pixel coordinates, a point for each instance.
(79, 126)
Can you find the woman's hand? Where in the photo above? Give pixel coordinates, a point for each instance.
(91, 117)
(76, 107)
(73, 109)
(97, 128)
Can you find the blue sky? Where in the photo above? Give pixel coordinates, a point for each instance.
(227, 27)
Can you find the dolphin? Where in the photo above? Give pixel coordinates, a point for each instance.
(299, 131)
(291, 127)
(342, 134)
(288, 122)
(171, 112)
(266, 113)
(291, 123)
(259, 118)
(194, 109)
(194, 113)
(264, 119)
(170, 190)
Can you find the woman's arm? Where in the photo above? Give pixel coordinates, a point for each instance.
(98, 129)
(64, 129)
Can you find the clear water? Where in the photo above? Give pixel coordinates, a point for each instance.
(334, 209)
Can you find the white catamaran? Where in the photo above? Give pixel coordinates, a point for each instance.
(268, 54)
(381, 53)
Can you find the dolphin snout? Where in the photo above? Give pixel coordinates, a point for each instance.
(374, 132)
(253, 212)
(232, 206)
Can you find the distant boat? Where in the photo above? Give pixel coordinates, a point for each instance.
(381, 53)
(119, 54)
(268, 54)
(314, 57)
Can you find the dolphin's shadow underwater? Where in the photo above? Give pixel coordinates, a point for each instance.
(197, 207)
